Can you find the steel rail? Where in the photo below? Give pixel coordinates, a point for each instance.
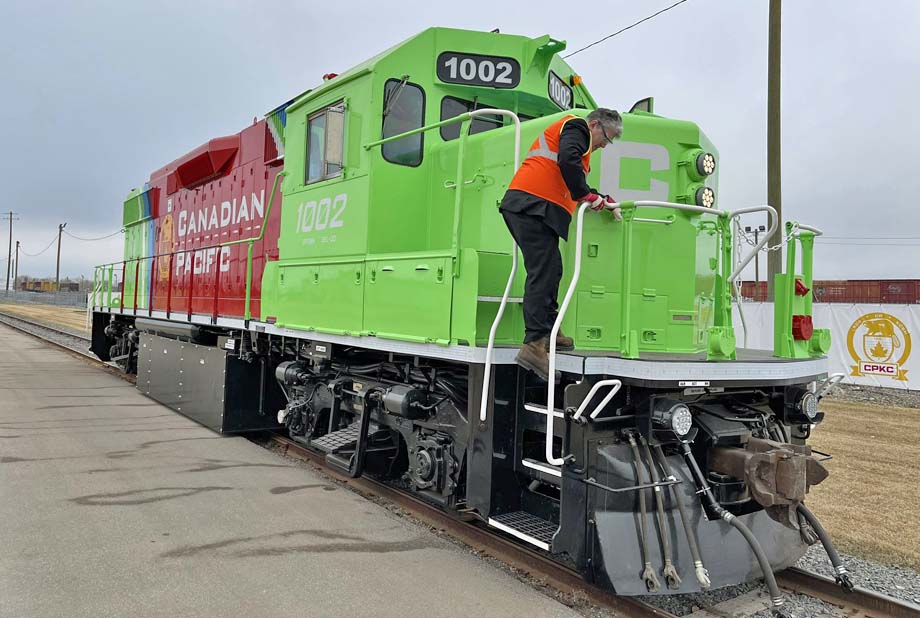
(868, 602)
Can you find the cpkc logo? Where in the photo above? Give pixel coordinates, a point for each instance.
(874, 340)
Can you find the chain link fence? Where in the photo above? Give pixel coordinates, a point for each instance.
(64, 299)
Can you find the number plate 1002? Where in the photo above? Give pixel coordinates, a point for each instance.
(476, 70)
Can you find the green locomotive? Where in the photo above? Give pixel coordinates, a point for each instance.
(350, 245)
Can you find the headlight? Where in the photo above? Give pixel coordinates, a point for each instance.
(673, 416)
(808, 405)
(705, 197)
(706, 164)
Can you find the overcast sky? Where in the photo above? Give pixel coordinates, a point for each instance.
(96, 95)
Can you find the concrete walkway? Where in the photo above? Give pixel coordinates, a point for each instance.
(114, 506)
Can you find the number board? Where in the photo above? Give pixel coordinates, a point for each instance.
(559, 92)
(477, 70)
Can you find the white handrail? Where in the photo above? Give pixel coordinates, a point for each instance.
(675, 206)
(774, 223)
(615, 384)
(831, 381)
(490, 348)
(551, 374)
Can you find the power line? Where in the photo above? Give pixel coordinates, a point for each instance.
(75, 237)
(40, 252)
(872, 237)
(610, 36)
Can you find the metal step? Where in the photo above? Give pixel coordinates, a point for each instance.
(527, 527)
(337, 440)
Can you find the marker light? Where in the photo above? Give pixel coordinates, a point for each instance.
(706, 163)
(705, 197)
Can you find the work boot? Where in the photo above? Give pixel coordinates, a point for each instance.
(534, 357)
(563, 343)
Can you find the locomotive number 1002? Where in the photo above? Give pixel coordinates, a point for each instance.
(494, 71)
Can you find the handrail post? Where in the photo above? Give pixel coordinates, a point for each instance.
(95, 276)
(248, 311)
(191, 285)
(153, 279)
(807, 240)
(216, 288)
(137, 270)
(121, 297)
(169, 280)
(458, 198)
(551, 374)
(629, 345)
(108, 302)
(724, 299)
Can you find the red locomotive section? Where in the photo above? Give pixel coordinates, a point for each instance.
(214, 195)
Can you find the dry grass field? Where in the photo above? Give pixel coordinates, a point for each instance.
(68, 318)
(870, 502)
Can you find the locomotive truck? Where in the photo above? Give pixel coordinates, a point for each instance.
(339, 271)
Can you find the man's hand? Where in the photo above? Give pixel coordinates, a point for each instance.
(611, 205)
(595, 202)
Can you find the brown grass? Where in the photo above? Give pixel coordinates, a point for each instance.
(871, 500)
(69, 318)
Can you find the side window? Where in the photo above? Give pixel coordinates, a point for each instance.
(403, 110)
(451, 108)
(325, 143)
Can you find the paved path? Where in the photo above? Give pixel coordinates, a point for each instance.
(114, 506)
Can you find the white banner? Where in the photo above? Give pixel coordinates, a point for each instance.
(871, 344)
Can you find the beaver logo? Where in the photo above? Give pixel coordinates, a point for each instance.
(164, 246)
(883, 337)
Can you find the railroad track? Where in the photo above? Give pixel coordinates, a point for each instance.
(860, 602)
(72, 341)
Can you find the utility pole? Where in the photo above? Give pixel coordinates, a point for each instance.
(16, 267)
(57, 273)
(774, 138)
(11, 216)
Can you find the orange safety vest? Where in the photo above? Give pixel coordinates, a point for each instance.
(540, 175)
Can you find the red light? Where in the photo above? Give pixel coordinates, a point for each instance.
(802, 327)
(329, 76)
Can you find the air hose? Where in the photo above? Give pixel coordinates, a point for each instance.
(670, 573)
(841, 574)
(648, 574)
(702, 575)
(776, 597)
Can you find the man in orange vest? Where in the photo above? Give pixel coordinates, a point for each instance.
(538, 208)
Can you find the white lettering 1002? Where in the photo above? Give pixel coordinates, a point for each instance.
(323, 214)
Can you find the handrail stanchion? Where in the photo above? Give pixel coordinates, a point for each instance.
(216, 289)
(111, 285)
(774, 223)
(551, 374)
(169, 281)
(137, 270)
(152, 284)
(121, 297)
(191, 285)
(95, 277)
(628, 347)
(248, 311)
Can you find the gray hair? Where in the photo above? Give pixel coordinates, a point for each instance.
(609, 119)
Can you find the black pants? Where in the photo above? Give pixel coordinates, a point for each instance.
(540, 246)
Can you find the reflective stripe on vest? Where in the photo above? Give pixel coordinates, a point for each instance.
(539, 173)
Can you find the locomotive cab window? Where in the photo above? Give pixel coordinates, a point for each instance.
(452, 107)
(325, 143)
(403, 110)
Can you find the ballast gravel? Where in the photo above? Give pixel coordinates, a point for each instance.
(894, 581)
(876, 395)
